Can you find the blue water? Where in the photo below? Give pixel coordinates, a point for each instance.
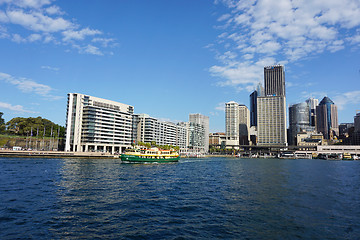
(211, 198)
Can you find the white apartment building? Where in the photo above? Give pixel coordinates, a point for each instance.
(96, 124)
(148, 129)
(271, 112)
(237, 124)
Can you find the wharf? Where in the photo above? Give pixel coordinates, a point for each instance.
(55, 154)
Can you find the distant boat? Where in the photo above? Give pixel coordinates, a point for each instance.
(149, 155)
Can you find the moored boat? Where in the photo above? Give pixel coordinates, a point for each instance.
(150, 155)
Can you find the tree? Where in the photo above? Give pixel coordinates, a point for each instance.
(35, 126)
(2, 123)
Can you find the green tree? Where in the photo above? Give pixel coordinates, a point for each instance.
(35, 126)
(2, 123)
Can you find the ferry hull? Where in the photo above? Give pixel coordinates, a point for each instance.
(139, 159)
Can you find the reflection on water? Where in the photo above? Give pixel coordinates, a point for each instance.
(196, 198)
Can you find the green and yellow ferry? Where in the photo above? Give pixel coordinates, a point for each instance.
(149, 155)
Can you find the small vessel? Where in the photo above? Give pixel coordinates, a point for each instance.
(347, 156)
(149, 155)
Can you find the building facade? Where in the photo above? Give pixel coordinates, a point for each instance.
(253, 108)
(96, 124)
(195, 137)
(299, 121)
(203, 120)
(272, 121)
(237, 124)
(147, 129)
(327, 118)
(274, 80)
(271, 109)
(312, 103)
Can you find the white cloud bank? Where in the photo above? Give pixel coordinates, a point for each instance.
(29, 86)
(15, 108)
(265, 32)
(42, 21)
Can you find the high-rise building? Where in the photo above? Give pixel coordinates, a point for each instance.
(312, 103)
(237, 123)
(96, 124)
(272, 121)
(356, 136)
(271, 108)
(203, 120)
(299, 121)
(327, 118)
(253, 104)
(148, 129)
(253, 108)
(274, 79)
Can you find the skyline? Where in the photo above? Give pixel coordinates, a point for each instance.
(168, 60)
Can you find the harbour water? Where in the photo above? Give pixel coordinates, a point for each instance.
(210, 198)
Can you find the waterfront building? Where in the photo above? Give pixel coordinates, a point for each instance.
(195, 137)
(274, 79)
(217, 140)
(327, 119)
(237, 124)
(253, 104)
(203, 120)
(356, 135)
(312, 103)
(147, 129)
(271, 128)
(299, 121)
(253, 108)
(96, 124)
(271, 109)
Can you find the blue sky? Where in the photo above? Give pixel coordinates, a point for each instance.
(171, 58)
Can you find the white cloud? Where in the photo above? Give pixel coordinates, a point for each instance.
(220, 107)
(281, 30)
(342, 100)
(42, 19)
(29, 86)
(79, 35)
(50, 68)
(15, 108)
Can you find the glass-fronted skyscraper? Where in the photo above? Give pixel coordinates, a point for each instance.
(299, 120)
(327, 118)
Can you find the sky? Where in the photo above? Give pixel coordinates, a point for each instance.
(171, 58)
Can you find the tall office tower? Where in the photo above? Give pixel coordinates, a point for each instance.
(237, 123)
(96, 124)
(148, 129)
(313, 103)
(327, 118)
(356, 136)
(203, 120)
(274, 79)
(271, 108)
(299, 120)
(272, 121)
(253, 108)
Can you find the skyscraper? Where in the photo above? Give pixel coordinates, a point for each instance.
(313, 103)
(237, 123)
(327, 118)
(253, 108)
(203, 120)
(274, 79)
(271, 108)
(298, 120)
